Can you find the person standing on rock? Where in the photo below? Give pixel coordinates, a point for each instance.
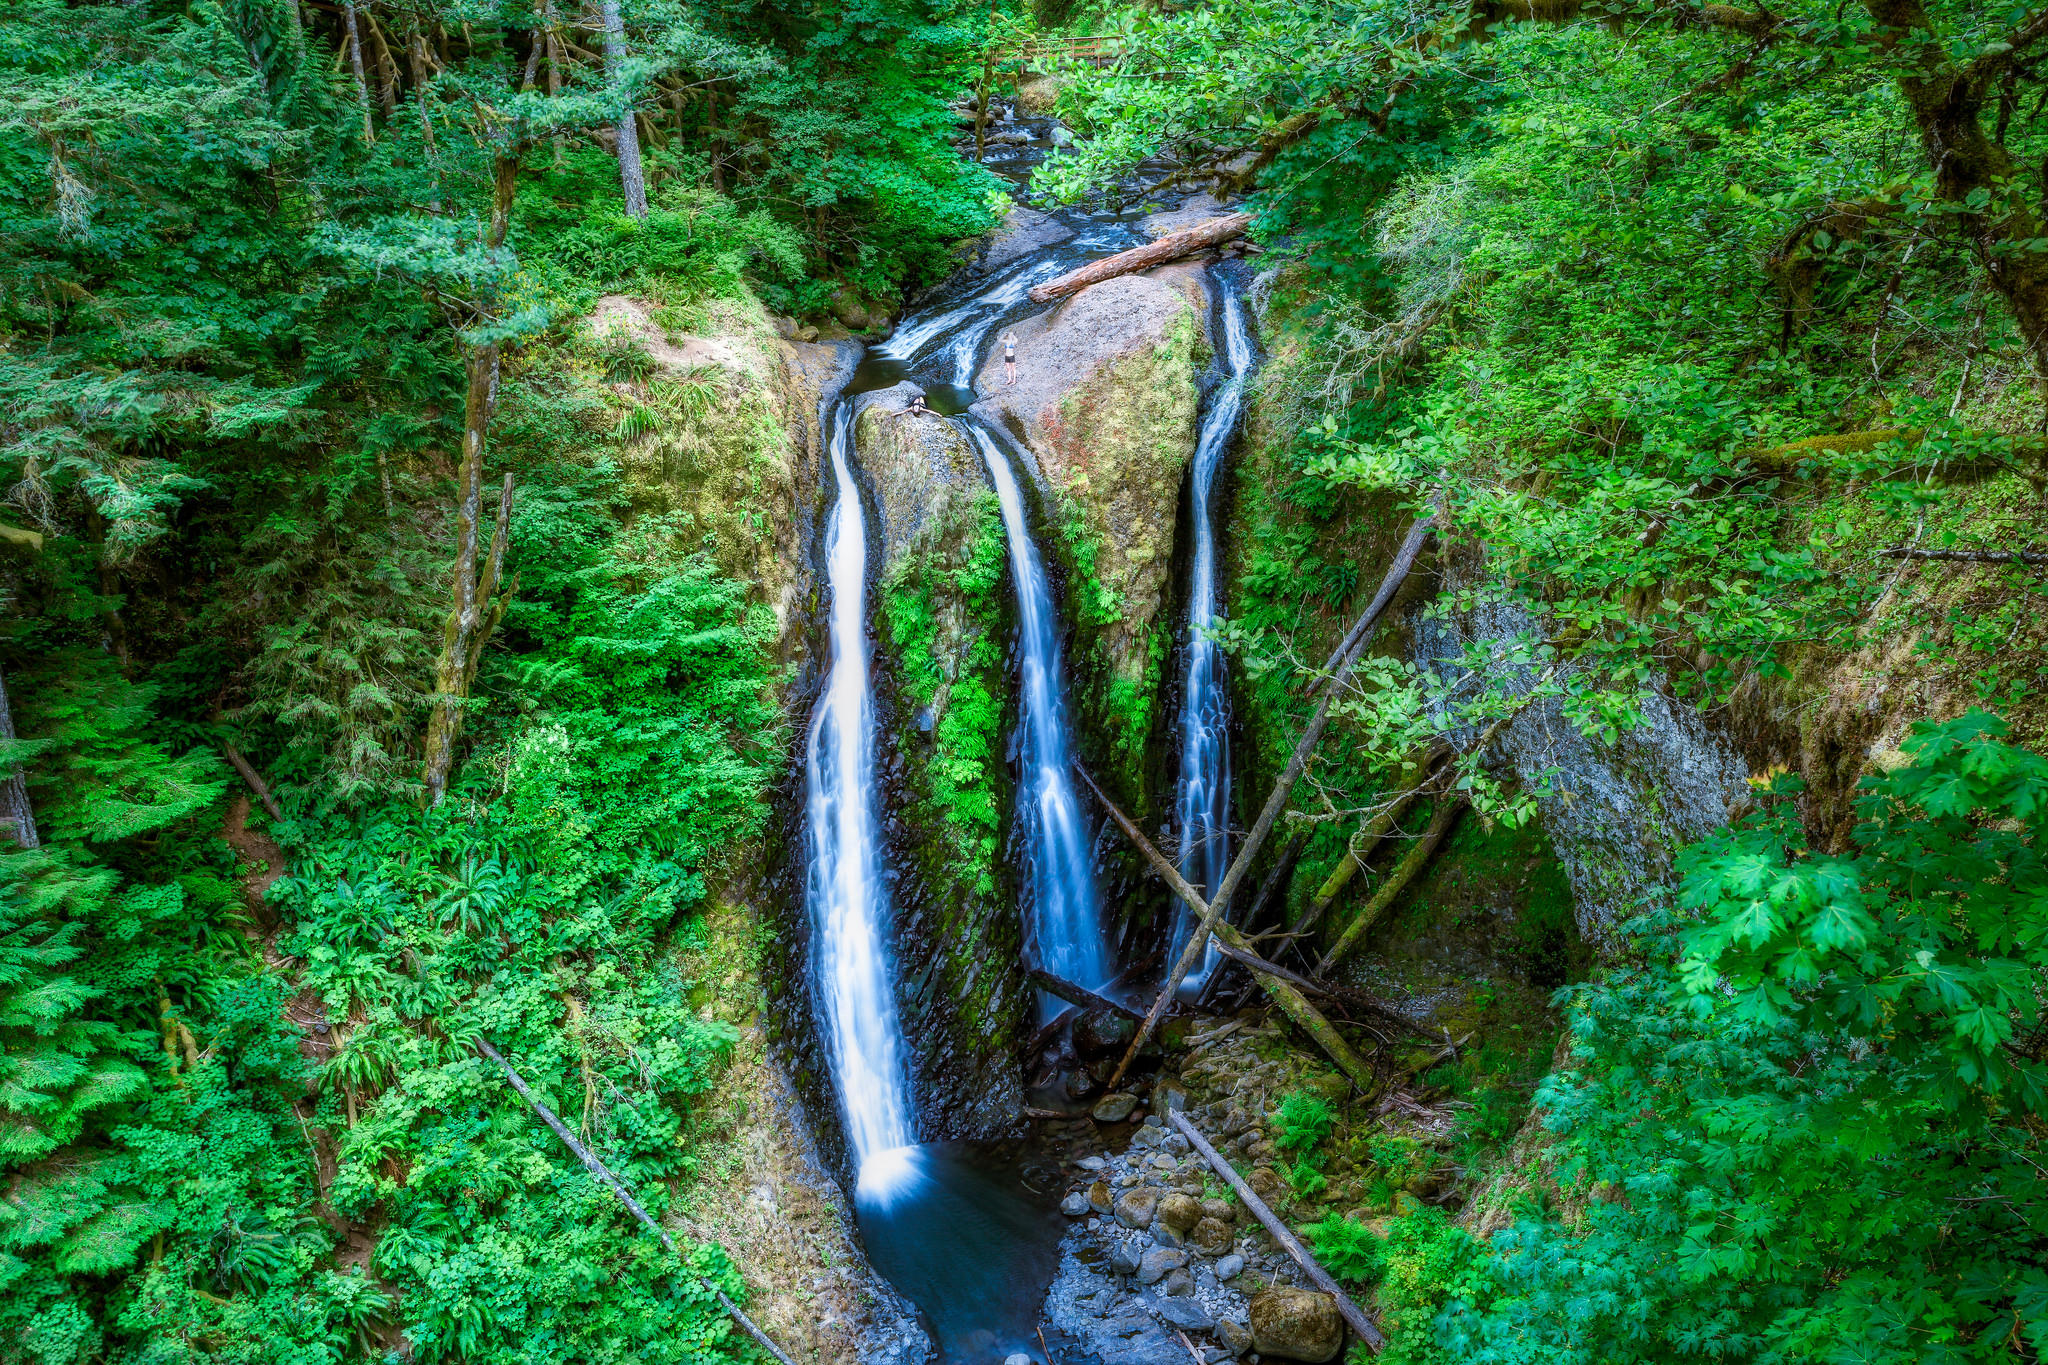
(1009, 360)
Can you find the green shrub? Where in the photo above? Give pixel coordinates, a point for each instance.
(1302, 1121)
(1347, 1249)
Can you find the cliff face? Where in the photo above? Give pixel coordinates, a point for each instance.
(1105, 404)
(941, 611)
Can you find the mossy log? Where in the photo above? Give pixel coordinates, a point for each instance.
(1409, 869)
(1359, 850)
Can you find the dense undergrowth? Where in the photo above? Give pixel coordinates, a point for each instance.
(241, 1113)
(1677, 328)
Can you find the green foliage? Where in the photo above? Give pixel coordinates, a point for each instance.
(1842, 1160)
(1348, 1249)
(1303, 1120)
(1429, 1263)
(966, 755)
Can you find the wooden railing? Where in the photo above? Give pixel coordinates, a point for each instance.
(1100, 49)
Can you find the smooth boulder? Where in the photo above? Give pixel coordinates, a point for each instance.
(1296, 1324)
(1136, 1208)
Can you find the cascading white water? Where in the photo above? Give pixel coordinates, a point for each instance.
(970, 319)
(848, 900)
(1202, 799)
(1066, 914)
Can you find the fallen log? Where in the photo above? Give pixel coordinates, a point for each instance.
(1410, 867)
(611, 1182)
(255, 781)
(1283, 993)
(1077, 995)
(1969, 556)
(1353, 1315)
(1186, 242)
(1359, 850)
(1340, 665)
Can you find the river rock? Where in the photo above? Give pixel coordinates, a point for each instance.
(1296, 1324)
(1235, 1336)
(1196, 208)
(1179, 1212)
(1156, 1264)
(1210, 1236)
(1075, 1205)
(1178, 1283)
(1227, 1267)
(1099, 1198)
(1124, 1259)
(1186, 1314)
(1092, 1163)
(1018, 1359)
(1099, 1033)
(1222, 1210)
(1267, 1184)
(1114, 1108)
(1136, 1208)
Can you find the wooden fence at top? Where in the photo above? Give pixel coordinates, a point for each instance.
(1100, 49)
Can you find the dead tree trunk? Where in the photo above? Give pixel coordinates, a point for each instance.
(1276, 801)
(20, 817)
(255, 781)
(355, 61)
(1353, 1315)
(631, 177)
(1171, 248)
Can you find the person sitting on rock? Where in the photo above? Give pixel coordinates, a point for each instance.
(916, 408)
(1009, 359)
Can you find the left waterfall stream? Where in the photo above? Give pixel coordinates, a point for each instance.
(954, 1226)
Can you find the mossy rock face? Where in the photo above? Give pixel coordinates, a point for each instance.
(716, 423)
(941, 614)
(1106, 403)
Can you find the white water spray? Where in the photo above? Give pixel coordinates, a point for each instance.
(848, 900)
(1202, 800)
(1066, 914)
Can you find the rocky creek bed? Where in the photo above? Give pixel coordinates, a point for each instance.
(1159, 1258)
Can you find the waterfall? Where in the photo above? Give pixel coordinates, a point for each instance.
(848, 901)
(1065, 916)
(1202, 798)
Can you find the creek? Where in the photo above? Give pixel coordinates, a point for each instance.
(962, 1229)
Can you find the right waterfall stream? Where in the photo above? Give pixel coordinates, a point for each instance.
(1202, 795)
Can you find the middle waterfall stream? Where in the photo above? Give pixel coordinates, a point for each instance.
(955, 1226)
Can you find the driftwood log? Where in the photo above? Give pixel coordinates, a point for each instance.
(1354, 1316)
(1278, 987)
(617, 1187)
(1186, 242)
(1078, 995)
